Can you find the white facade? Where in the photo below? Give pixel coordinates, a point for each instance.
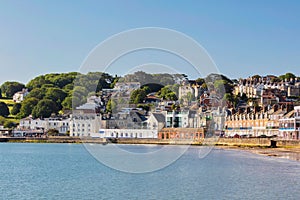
(127, 133)
(84, 123)
(61, 125)
(20, 96)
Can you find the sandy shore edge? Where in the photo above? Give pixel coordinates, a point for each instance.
(291, 153)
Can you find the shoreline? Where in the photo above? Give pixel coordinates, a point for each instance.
(290, 153)
(259, 147)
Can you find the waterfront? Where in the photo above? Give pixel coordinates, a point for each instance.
(68, 171)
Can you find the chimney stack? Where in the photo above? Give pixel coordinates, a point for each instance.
(256, 109)
(290, 107)
(248, 110)
(275, 107)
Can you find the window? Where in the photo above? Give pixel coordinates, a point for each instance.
(141, 135)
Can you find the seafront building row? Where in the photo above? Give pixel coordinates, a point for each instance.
(270, 113)
(282, 122)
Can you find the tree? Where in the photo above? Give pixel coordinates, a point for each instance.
(4, 111)
(287, 76)
(200, 81)
(167, 94)
(38, 93)
(37, 82)
(9, 124)
(137, 96)
(53, 132)
(44, 109)
(27, 106)
(0, 93)
(16, 108)
(10, 88)
(67, 103)
(56, 94)
(111, 106)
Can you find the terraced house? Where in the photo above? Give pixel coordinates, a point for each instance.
(289, 125)
(260, 122)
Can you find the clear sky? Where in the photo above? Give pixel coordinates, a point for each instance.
(243, 37)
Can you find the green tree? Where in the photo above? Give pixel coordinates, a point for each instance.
(167, 94)
(67, 103)
(287, 76)
(16, 108)
(53, 132)
(38, 93)
(111, 106)
(137, 96)
(4, 111)
(200, 81)
(57, 95)
(9, 124)
(27, 106)
(10, 88)
(37, 82)
(44, 109)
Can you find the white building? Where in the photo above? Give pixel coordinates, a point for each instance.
(127, 133)
(20, 96)
(289, 124)
(60, 124)
(85, 123)
(156, 121)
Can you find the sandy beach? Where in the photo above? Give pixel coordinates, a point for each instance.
(292, 153)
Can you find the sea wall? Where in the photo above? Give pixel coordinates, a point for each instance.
(237, 142)
(244, 141)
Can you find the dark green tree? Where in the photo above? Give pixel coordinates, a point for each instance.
(67, 103)
(9, 124)
(37, 82)
(4, 111)
(56, 94)
(44, 109)
(10, 88)
(27, 106)
(16, 108)
(137, 96)
(287, 76)
(167, 93)
(38, 93)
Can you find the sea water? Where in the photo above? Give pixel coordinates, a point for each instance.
(69, 171)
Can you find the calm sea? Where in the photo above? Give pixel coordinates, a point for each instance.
(68, 171)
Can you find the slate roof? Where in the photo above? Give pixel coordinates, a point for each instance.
(159, 117)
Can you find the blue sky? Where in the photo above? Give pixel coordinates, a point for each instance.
(242, 37)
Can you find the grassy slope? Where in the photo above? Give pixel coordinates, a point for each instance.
(10, 103)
